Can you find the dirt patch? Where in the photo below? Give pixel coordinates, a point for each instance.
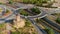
(3, 1)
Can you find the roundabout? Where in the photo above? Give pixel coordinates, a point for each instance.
(32, 15)
(19, 16)
(40, 15)
(9, 13)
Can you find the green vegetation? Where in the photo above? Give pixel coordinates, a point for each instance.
(7, 11)
(56, 14)
(38, 2)
(25, 1)
(49, 31)
(2, 28)
(38, 20)
(29, 1)
(10, 1)
(58, 17)
(16, 32)
(1, 3)
(28, 23)
(42, 3)
(35, 1)
(23, 12)
(36, 10)
(1, 25)
(58, 20)
(25, 30)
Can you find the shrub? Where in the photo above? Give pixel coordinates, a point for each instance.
(58, 20)
(36, 10)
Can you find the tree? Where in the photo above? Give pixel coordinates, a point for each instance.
(58, 20)
(26, 1)
(38, 3)
(35, 10)
(37, 20)
(1, 3)
(32, 1)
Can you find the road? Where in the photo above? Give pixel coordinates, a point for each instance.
(8, 17)
(47, 26)
(41, 15)
(45, 11)
(28, 6)
(40, 30)
(52, 24)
